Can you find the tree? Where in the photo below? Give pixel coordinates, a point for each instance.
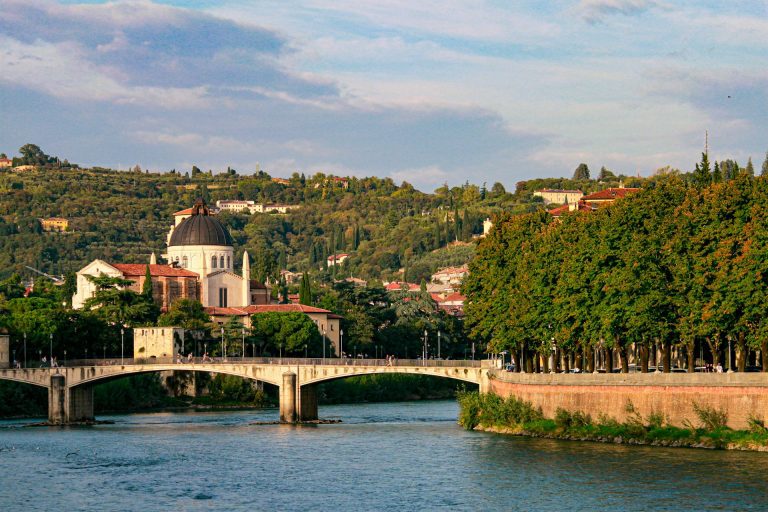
(286, 332)
(717, 176)
(701, 174)
(33, 155)
(305, 290)
(118, 305)
(764, 171)
(581, 172)
(186, 313)
(146, 287)
(605, 174)
(750, 168)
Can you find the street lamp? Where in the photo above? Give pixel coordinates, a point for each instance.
(243, 342)
(341, 343)
(104, 353)
(40, 357)
(438, 345)
(323, 346)
(553, 367)
(424, 353)
(25, 350)
(223, 346)
(50, 347)
(122, 346)
(656, 357)
(65, 357)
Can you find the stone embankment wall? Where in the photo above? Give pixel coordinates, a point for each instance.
(741, 395)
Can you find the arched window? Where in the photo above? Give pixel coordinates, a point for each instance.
(229, 263)
(213, 261)
(221, 262)
(184, 261)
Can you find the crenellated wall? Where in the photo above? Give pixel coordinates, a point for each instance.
(673, 394)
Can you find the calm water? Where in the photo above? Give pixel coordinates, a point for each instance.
(404, 456)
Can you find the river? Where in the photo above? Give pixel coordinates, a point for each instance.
(394, 456)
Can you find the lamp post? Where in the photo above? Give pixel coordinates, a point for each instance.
(86, 353)
(424, 353)
(438, 345)
(205, 349)
(65, 357)
(223, 346)
(25, 350)
(323, 346)
(40, 357)
(341, 343)
(473, 350)
(594, 367)
(305, 351)
(50, 348)
(553, 367)
(122, 346)
(243, 342)
(104, 351)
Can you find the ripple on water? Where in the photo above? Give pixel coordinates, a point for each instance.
(409, 456)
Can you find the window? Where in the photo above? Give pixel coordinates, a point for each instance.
(184, 261)
(221, 261)
(213, 261)
(229, 263)
(222, 297)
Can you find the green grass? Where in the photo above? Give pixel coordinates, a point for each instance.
(521, 417)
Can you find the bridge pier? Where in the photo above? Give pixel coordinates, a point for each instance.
(69, 405)
(288, 398)
(308, 403)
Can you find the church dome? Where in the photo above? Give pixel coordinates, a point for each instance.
(200, 229)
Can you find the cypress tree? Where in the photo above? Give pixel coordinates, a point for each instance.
(146, 288)
(717, 176)
(764, 171)
(750, 169)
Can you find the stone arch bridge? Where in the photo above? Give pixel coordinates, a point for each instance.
(70, 388)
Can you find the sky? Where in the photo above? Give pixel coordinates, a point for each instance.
(428, 92)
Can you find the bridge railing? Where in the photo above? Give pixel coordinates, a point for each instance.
(312, 361)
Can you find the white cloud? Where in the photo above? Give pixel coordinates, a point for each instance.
(62, 71)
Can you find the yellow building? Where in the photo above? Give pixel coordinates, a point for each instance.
(54, 224)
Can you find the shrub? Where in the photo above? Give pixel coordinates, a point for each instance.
(756, 425)
(711, 419)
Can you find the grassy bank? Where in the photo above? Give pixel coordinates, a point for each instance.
(513, 416)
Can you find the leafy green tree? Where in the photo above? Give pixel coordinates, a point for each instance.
(581, 172)
(118, 305)
(286, 332)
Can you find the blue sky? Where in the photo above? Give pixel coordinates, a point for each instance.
(429, 92)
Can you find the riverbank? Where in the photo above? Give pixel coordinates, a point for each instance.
(511, 416)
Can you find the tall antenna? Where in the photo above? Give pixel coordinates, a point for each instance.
(706, 143)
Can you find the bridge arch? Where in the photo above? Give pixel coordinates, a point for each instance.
(94, 378)
(312, 376)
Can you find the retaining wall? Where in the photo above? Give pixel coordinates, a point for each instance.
(673, 394)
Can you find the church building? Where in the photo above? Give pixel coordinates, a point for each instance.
(200, 266)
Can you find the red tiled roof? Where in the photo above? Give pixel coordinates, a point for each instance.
(139, 269)
(213, 311)
(454, 297)
(556, 212)
(188, 211)
(283, 308)
(395, 285)
(338, 256)
(609, 194)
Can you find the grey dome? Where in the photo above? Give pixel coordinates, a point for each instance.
(200, 229)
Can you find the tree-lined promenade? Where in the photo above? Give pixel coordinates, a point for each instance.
(681, 265)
